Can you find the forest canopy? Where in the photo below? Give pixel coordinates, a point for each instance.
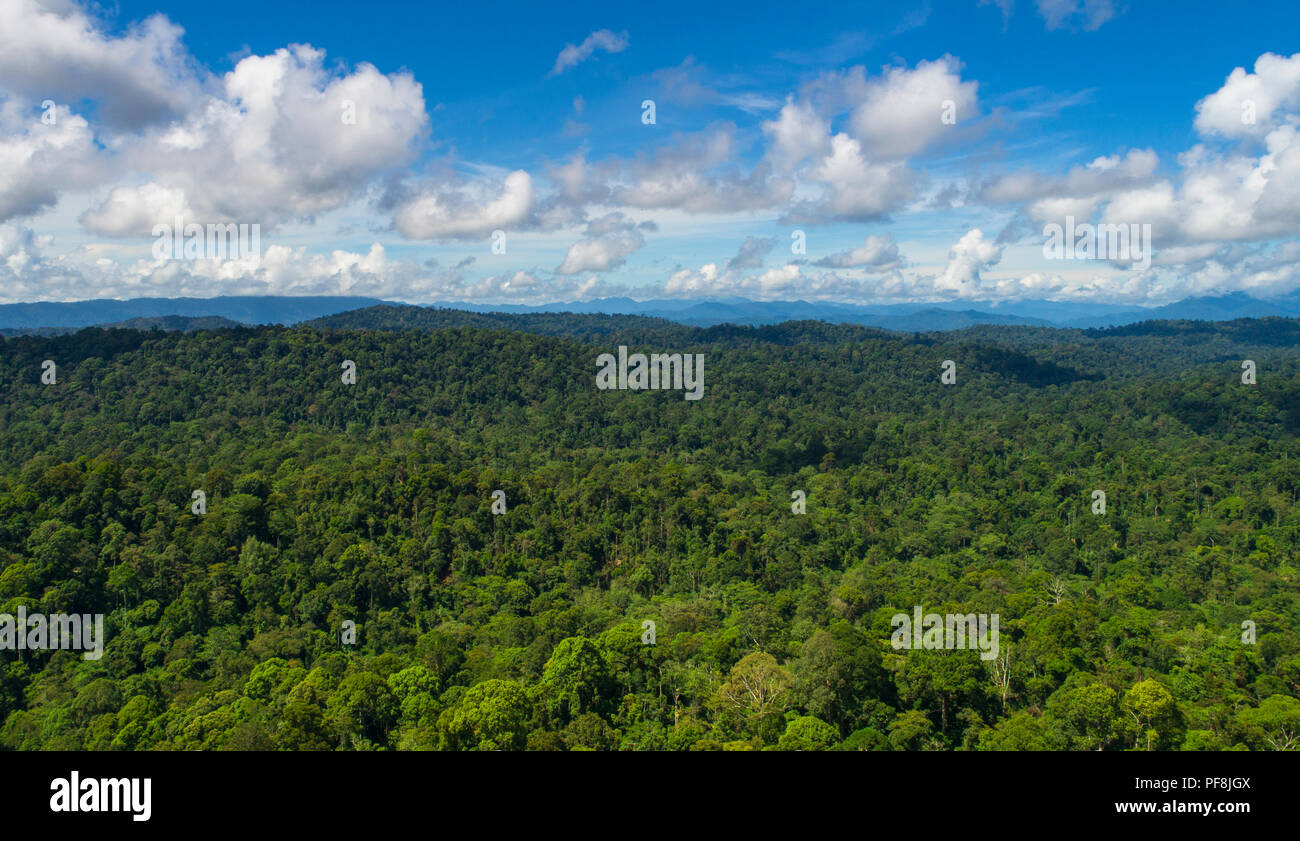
(519, 622)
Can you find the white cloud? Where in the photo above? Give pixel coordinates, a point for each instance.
(272, 141)
(467, 211)
(28, 272)
(280, 139)
(751, 254)
(784, 282)
(797, 134)
(38, 160)
(135, 210)
(879, 253)
(1105, 175)
(971, 255)
(855, 176)
(581, 182)
(608, 242)
(688, 174)
(1221, 197)
(602, 39)
(1253, 104)
(858, 189)
(692, 282)
(55, 50)
(864, 174)
(1245, 189)
(900, 113)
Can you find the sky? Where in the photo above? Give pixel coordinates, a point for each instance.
(533, 153)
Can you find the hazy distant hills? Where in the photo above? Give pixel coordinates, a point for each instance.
(1219, 308)
(248, 309)
(706, 313)
(920, 317)
(192, 313)
(184, 324)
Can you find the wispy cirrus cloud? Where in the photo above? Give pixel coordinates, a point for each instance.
(574, 54)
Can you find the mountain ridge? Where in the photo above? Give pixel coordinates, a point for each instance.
(46, 317)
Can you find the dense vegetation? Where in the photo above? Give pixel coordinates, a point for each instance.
(372, 503)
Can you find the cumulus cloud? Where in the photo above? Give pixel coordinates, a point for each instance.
(581, 182)
(785, 282)
(879, 253)
(797, 134)
(1103, 176)
(607, 243)
(856, 175)
(135, 210)
(467, 211)
(1240, 185)
(900, 113)
(279, 137)
(602, 39)
(39, 159)
(751, 253)
(1239, 193)
(284, 139)
(970, 255)
(864, 173)
(276, 138)
(688, 174)
(857, 189)
(1253, 104)
(30, 271)
(51, 49)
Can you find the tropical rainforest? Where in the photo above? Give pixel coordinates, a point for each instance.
(643, 580)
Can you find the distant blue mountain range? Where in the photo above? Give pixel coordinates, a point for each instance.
(16, 318)
(247, 309)
(924, 316)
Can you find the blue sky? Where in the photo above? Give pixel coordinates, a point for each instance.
(1148, 66)
(921, 151)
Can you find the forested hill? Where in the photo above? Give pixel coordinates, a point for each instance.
(373, 503)
(573, 325)
(1152, 346)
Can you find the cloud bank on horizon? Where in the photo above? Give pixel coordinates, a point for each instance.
(914, 156)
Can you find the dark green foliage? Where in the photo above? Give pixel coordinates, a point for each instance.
(372, 504)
